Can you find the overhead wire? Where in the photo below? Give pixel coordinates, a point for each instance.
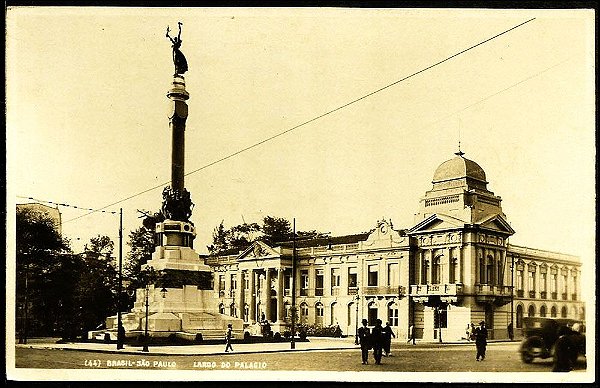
(311, 120)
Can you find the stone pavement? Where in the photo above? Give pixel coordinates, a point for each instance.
(314, 344)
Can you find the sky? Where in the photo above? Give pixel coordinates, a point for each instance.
(87, 115)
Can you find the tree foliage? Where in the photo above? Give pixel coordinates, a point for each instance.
(142, 245)
(273, 230)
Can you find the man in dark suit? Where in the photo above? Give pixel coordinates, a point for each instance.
(377, 339)
(364, 336)
(481, 334)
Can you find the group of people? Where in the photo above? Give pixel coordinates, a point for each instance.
(379, 339)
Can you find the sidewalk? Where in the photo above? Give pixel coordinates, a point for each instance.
(314, 343)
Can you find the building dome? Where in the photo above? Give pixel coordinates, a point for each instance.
(458, 168)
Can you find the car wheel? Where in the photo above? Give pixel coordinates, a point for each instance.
(526, 357)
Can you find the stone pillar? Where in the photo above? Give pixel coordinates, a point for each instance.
(267, 294)
(430, 267)
(240, 293)
(280, 309)
(447, 264)
(418, 266)
(459, 265)
(252, 275)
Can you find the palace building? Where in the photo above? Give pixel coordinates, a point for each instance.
(453, 267)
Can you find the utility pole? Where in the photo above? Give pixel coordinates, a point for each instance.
(120, 331)
(512, 292)
(293, 341)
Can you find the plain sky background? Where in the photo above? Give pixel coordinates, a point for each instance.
(87, 115)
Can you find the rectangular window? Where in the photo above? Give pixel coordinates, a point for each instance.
(531, 281)
(393, 316)
(336, 277)
(393, 275)
(287, 284)
(372, 280)
(319, 282)
(543, 282)
(520, 284)
(234, 282)
(246, 280)
(304, 282)
(221, 282)
(352, 279)
(554, 283)
(565, 283)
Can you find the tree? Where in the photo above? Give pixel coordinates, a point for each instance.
(142, 242)
(96, 291)
(45, 269)
(276, 230)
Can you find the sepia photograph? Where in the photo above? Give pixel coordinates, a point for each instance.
(300, 194)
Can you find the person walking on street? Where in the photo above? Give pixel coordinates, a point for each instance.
(377, 341)
(481, 334)
(511, 335)
(228, 336)
(387, 339)
(364, 336)
(411, 334)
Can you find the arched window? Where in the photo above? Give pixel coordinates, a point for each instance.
(519, 316)
(392, 314)
(563, 312)
(425, 271)
(232, 310)
(543, 311)
(221, 308)
(372, 313)
(333, 319)
(304, 313)
(319, 314)
(351, 314)
(531, 311)
(553, 312)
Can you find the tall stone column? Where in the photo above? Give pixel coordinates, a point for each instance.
(240, 293)
(267, 293)
(448, 264)
(280, 309)
(252, 275)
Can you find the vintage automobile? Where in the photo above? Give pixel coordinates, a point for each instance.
(560, 338)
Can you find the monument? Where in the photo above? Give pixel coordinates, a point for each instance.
(179, 299)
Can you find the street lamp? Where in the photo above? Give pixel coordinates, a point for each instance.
(163, 292)
(357, 300)
(120, 330)
(145, 347)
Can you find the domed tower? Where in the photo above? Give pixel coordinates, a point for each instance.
(461, 238)
(460, 191)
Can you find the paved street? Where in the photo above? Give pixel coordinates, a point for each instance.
(406, 358)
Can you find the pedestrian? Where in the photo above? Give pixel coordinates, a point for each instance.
(481, 335)
(472, 332)
(387, 338)
(228, 336)
(411, 334)
(468, 332)
(377, 341)
(511, 335)
(364, 336)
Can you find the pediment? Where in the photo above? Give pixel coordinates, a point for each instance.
(497, 223)
(436, 222)
(384, 236)
(257, 250)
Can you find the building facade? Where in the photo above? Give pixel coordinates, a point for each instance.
(453, 267)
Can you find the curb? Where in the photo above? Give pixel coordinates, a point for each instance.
(159, 353)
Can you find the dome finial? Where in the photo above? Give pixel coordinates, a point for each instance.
(459, 153)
